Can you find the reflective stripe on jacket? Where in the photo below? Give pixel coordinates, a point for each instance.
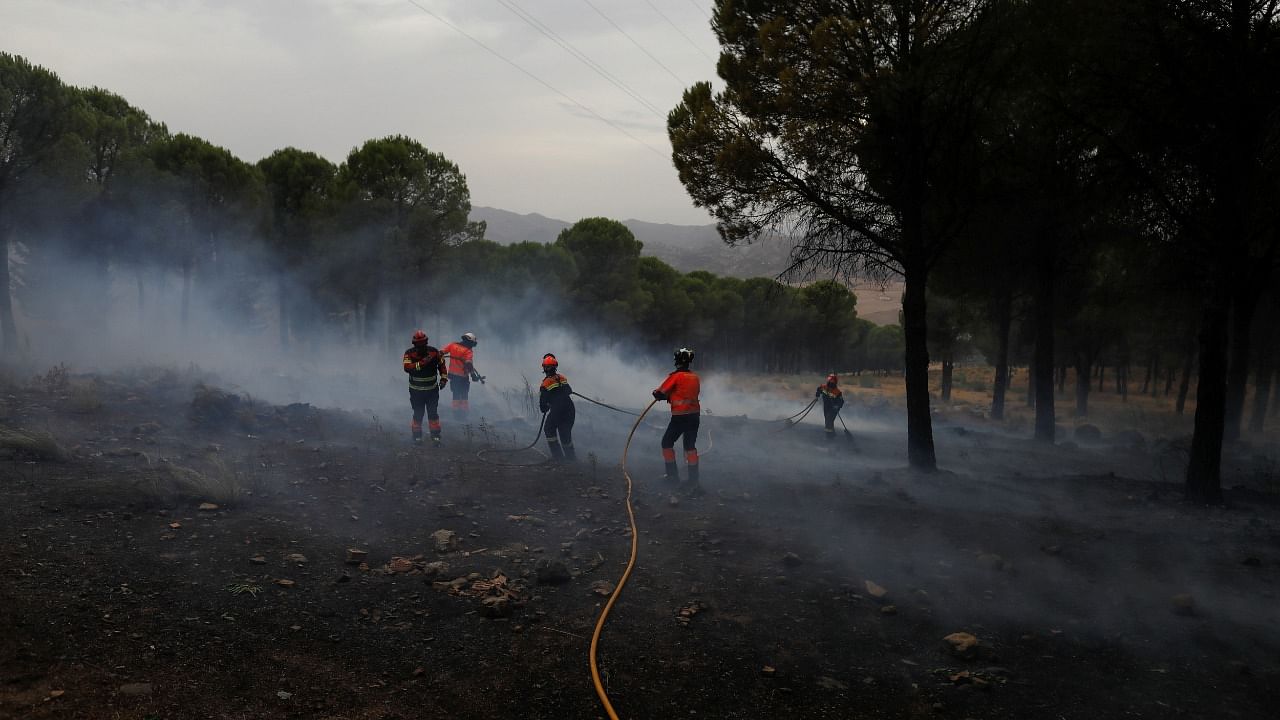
(425, 367)
(681, 389)
(460, 358)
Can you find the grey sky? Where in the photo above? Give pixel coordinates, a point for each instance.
(325, 75)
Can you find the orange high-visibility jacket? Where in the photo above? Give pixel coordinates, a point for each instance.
(460, 357)
(681, 389)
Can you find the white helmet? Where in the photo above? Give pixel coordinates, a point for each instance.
(469, 337)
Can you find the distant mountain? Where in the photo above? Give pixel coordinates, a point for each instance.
(684, 247)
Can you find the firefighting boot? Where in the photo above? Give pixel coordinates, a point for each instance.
(569, 454)
(416, 428)
(692, 488)
(553, 444)
(672, 475)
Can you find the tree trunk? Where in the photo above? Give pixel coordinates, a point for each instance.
(1044, 352)
(1083, 384)
(1168, 380)
(1243, 304)
(1102, 377)
(1031, 383)
(1122, 382)
(948, 372)
(1062, 379)
(1184, 386)
(1146, 378)
(1004, 319)
(920, 452)
(1204, 468)
(185, 306)
(282, 297)
(8, 327)
(1261, 395)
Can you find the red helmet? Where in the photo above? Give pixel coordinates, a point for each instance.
(419, 338)
(549, 360)
(832, 379)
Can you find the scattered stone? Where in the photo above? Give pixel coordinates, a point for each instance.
(57, 693)
(961, 643)
(769, 671)
(400, 565)
(296, 558)
(495, 606)
(446, 540)
(551, 572)
(582, 534)
(175, 525)
(1087, 433)
(1051, 549)
(1184, 604)
(686, 613)
(419, 671)
(207, 507)
(285, 583)
(135, 689)
(355, 557)
(448, 510)
(258, 560)
(432, 569)
(673, 501)
(284, 695)
(831, 683)
(889, 610)
(874, 590)
(791, 560)
(602, 587)
(991, 561)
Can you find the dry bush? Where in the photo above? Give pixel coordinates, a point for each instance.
(55, 380)
(84, 398)
(213, 408)
(166, 481)
(31, 444)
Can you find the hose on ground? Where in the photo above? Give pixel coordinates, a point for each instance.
(631, 564)
(480, 454)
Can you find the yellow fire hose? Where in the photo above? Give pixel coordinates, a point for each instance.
(631, 564)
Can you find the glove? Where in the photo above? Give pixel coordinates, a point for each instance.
(476, 377)
(443, 381)
(659, 395)
(817, 393)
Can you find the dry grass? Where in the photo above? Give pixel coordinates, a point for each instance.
(218, 484)
(31, 444)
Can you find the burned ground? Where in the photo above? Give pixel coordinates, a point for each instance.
(812, 581)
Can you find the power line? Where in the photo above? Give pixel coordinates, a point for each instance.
(635, 42)
(535, 78)
(699, 7)
(582, 57)
(677, 29)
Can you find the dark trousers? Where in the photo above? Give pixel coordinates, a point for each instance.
(681, 426)
(425, 402)
(460, 386)
(559, 431)
(829, 413)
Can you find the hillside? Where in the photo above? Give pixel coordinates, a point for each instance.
(684, 247)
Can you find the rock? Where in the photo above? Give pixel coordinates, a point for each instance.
(283, 695)
(400, 565)
(1184, 604)
(175, 526)
(831, 683)
(446, 540)
(791, 560)
(769, 671)
(355, 557)
(135, 689)
(1087, 433)
(1130, 438)
(448, 510)
(285, 583)
(258, 560)
(57, 693)
(207, 507)
(495, 607)
(875, 590)
(991, 561)
(296, 558)
(602, 587)
(439, 567)
(551, 572)
(889, 610)
(961, 643)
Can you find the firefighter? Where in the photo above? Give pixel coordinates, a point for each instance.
(556, 402)
(462, 372)
(681, 390)
(832, 401)
(425, 366)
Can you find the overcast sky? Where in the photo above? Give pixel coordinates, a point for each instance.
(325, 75)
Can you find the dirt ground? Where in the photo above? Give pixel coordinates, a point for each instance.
(814, 580)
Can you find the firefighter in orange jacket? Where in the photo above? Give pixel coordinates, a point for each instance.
(462, 372)
(425, 366)
(832, 401)
(681, 389)
(556, 402)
